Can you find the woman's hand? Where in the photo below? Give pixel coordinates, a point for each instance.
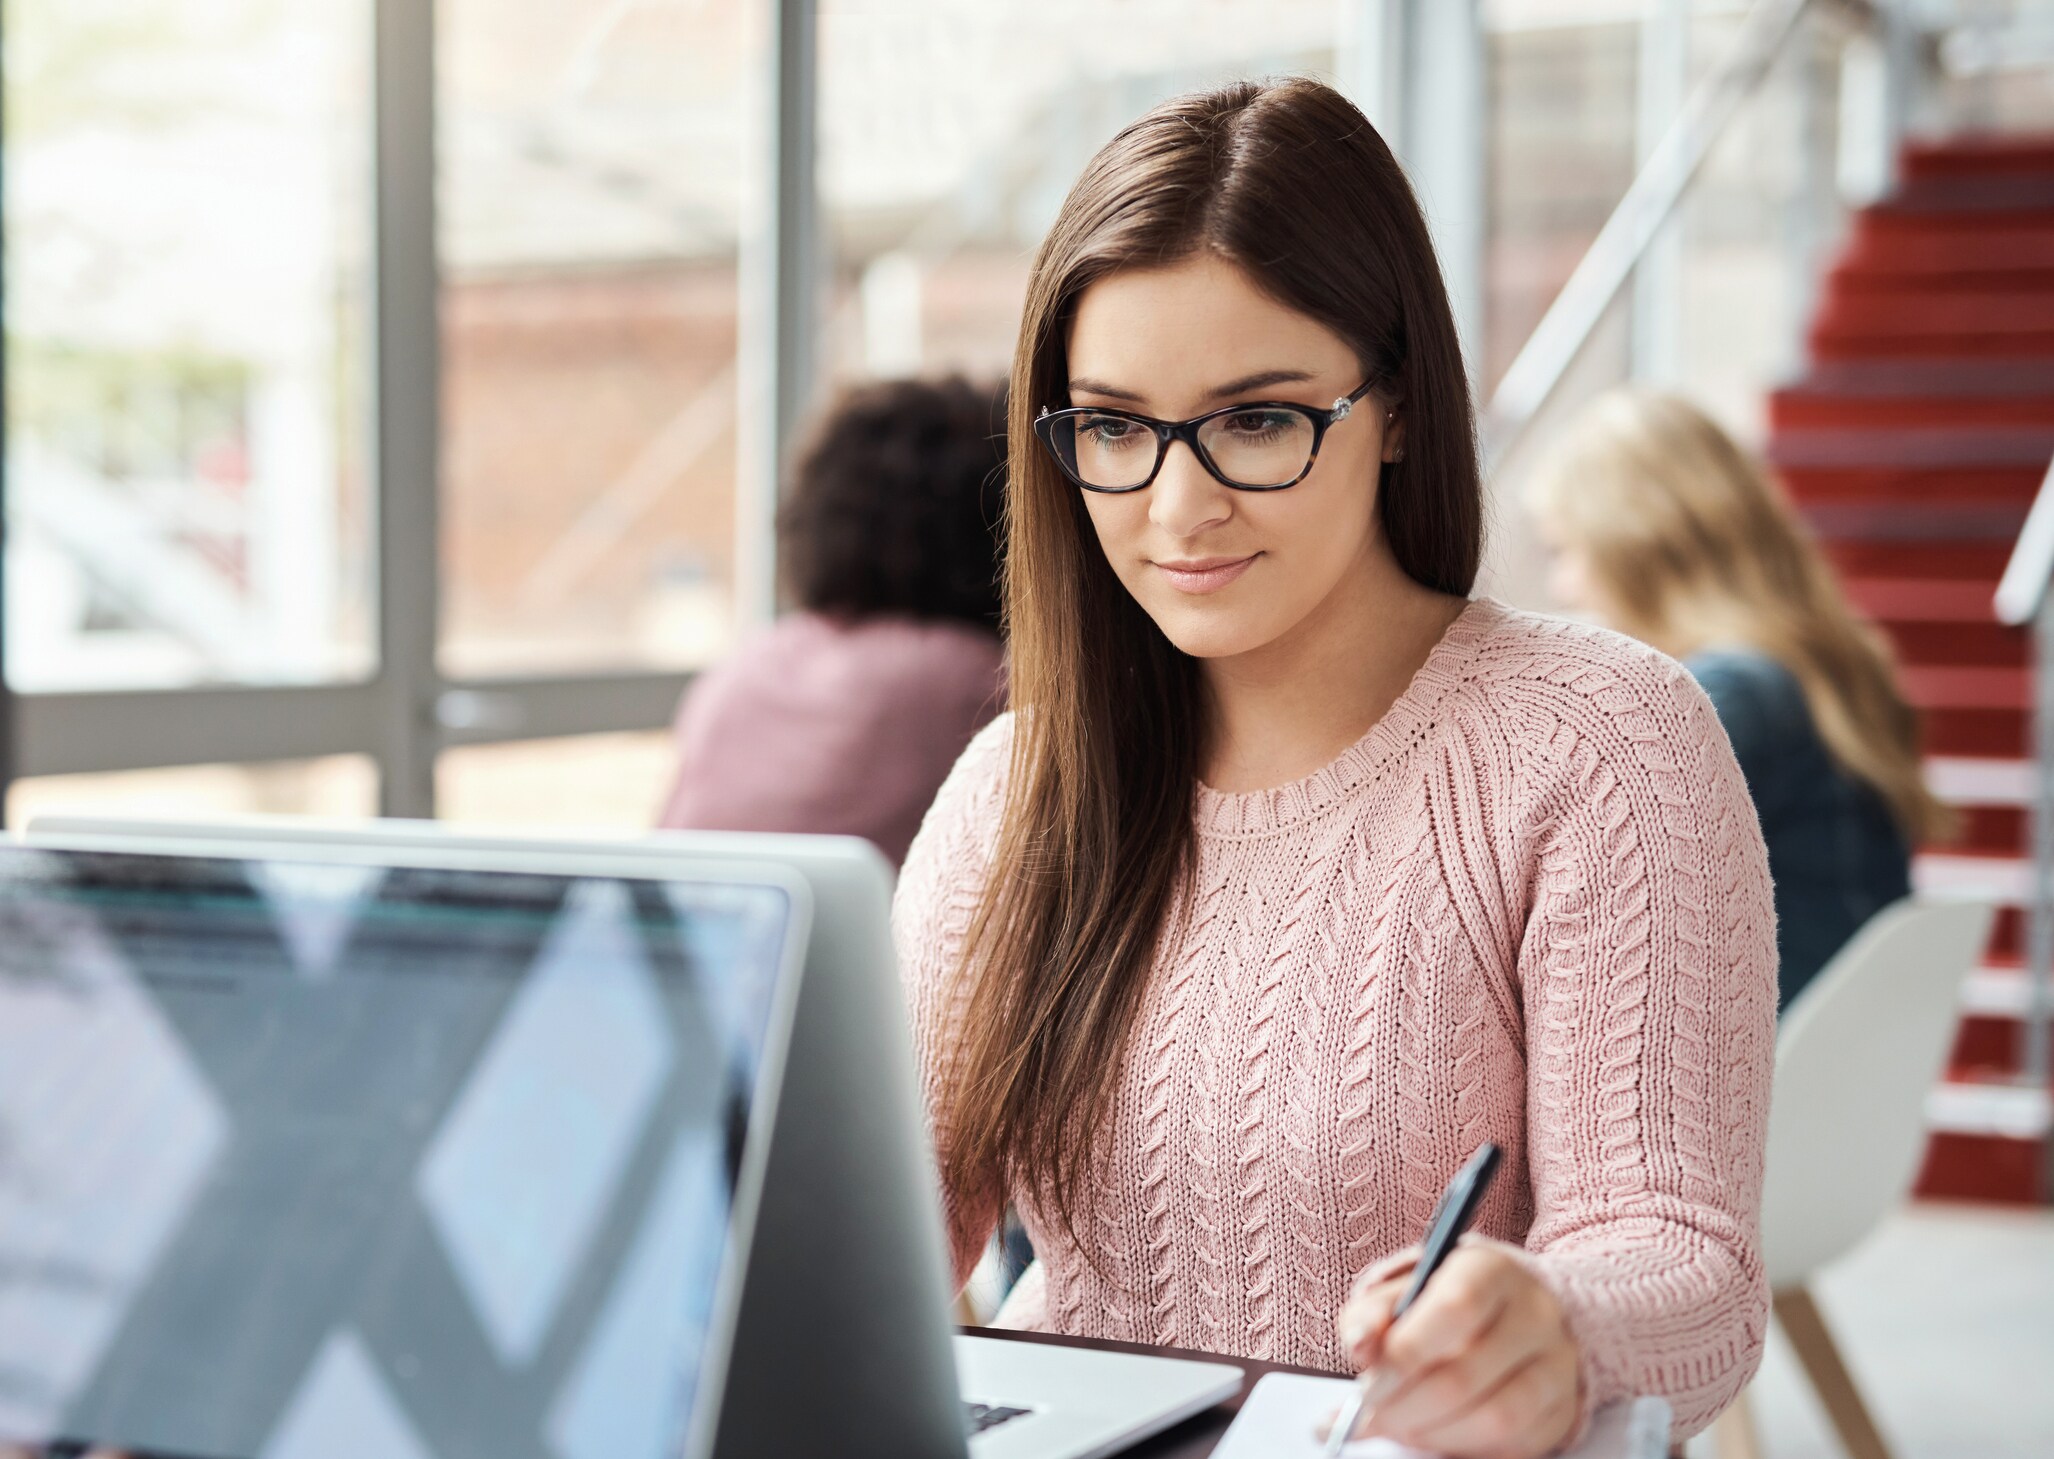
(1482, 1366)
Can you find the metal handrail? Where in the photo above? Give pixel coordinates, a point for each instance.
(2022, 600)
(2023, 589)
(1637, 221)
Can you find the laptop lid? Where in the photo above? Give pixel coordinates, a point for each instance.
(848, 1290)
(432, 1157)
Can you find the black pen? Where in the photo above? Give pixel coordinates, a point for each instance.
(1451, 1217)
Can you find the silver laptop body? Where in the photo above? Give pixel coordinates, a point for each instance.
(842, 1343)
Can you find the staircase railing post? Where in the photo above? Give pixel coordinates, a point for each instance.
(2036, 1053)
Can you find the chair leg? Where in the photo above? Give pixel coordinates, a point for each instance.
(1734, 1435)
(1806, 1328)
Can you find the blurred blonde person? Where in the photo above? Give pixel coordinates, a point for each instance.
(1662, 527)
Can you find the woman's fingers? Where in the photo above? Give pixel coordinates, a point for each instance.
(1363, 1323)
(1528, 1414)
(1482, 1364)
(1425, 1399)
(1464, 1300)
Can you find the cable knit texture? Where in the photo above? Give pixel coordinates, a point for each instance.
(1531, 906)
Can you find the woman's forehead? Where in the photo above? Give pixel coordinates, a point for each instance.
(1175, 336)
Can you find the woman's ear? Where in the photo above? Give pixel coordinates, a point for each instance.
(1394, 434)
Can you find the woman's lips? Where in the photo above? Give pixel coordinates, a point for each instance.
(1206, 575)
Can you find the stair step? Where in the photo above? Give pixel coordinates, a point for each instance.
(1990, 645)
(1924, 600)
(1988, 1142)
(1974, 325)
(1975, 730)
(1849, 282)
(1797, 408)
(1913, 379)
(1995, 1000)
(1998, 1169)
(1996, 154)
(2004, 880)
(1990, 797)
(1942, 247)
(1973, 780)
(1971, 220)
(1990, 806)
(2003, 314)
(2010, 488)
(1916, 448)
(1982, 533)
(1937, 686)
(1990, 830)
(2011, 1111)
(1854, 555)
(1939, 621)
(1997, 990)
(1974, 194)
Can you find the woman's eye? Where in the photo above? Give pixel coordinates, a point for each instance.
(1258, 423)
(1107, 430)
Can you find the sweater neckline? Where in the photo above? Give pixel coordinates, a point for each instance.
(1403, 727)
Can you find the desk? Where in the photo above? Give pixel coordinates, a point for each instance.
(1195, 1438)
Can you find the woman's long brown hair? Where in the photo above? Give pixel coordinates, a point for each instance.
(1291, 183)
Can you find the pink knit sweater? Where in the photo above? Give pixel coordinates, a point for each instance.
(1531, 905)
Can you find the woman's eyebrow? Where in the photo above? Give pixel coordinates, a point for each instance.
(1260, 380)
(1099, 387)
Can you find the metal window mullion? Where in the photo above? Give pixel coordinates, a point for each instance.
(495, 711)
(1443, 142)
(406, 395)
(117, 729)
(1662, 83)
(780, 278)
(8, 768)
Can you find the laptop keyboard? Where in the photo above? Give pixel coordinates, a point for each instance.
(980, 1418)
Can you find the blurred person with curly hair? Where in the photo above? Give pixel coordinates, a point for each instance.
(846, 714)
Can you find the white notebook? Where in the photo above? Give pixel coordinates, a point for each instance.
(1284, 1413)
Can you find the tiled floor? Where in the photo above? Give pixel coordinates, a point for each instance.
(1946, 1317)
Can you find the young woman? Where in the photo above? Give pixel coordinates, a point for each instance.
(1663, 528)
(1295, 875)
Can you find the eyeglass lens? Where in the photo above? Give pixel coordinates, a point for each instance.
(1255, 447)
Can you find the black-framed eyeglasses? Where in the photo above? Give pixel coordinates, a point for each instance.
(1257, 445)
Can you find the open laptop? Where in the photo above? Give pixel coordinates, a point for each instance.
(841, 1342)
(437, 1156)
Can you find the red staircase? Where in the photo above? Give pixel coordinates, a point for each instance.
(1914, 446)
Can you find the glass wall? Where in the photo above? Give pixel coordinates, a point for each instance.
(194, 491)
(591, 156)
(950, 131)
(186, 195)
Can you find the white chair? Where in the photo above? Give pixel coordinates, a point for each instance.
(1856, 1055)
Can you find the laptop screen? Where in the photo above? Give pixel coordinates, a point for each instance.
(305, 1161)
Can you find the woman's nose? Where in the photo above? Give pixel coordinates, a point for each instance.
(1185, 500)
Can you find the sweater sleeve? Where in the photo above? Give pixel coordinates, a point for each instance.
(937, 898)
(1648, 970)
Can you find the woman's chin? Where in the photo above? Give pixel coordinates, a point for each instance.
(1208, 633)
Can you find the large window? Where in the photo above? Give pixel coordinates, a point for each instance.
(592, 172)
(186, 195)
